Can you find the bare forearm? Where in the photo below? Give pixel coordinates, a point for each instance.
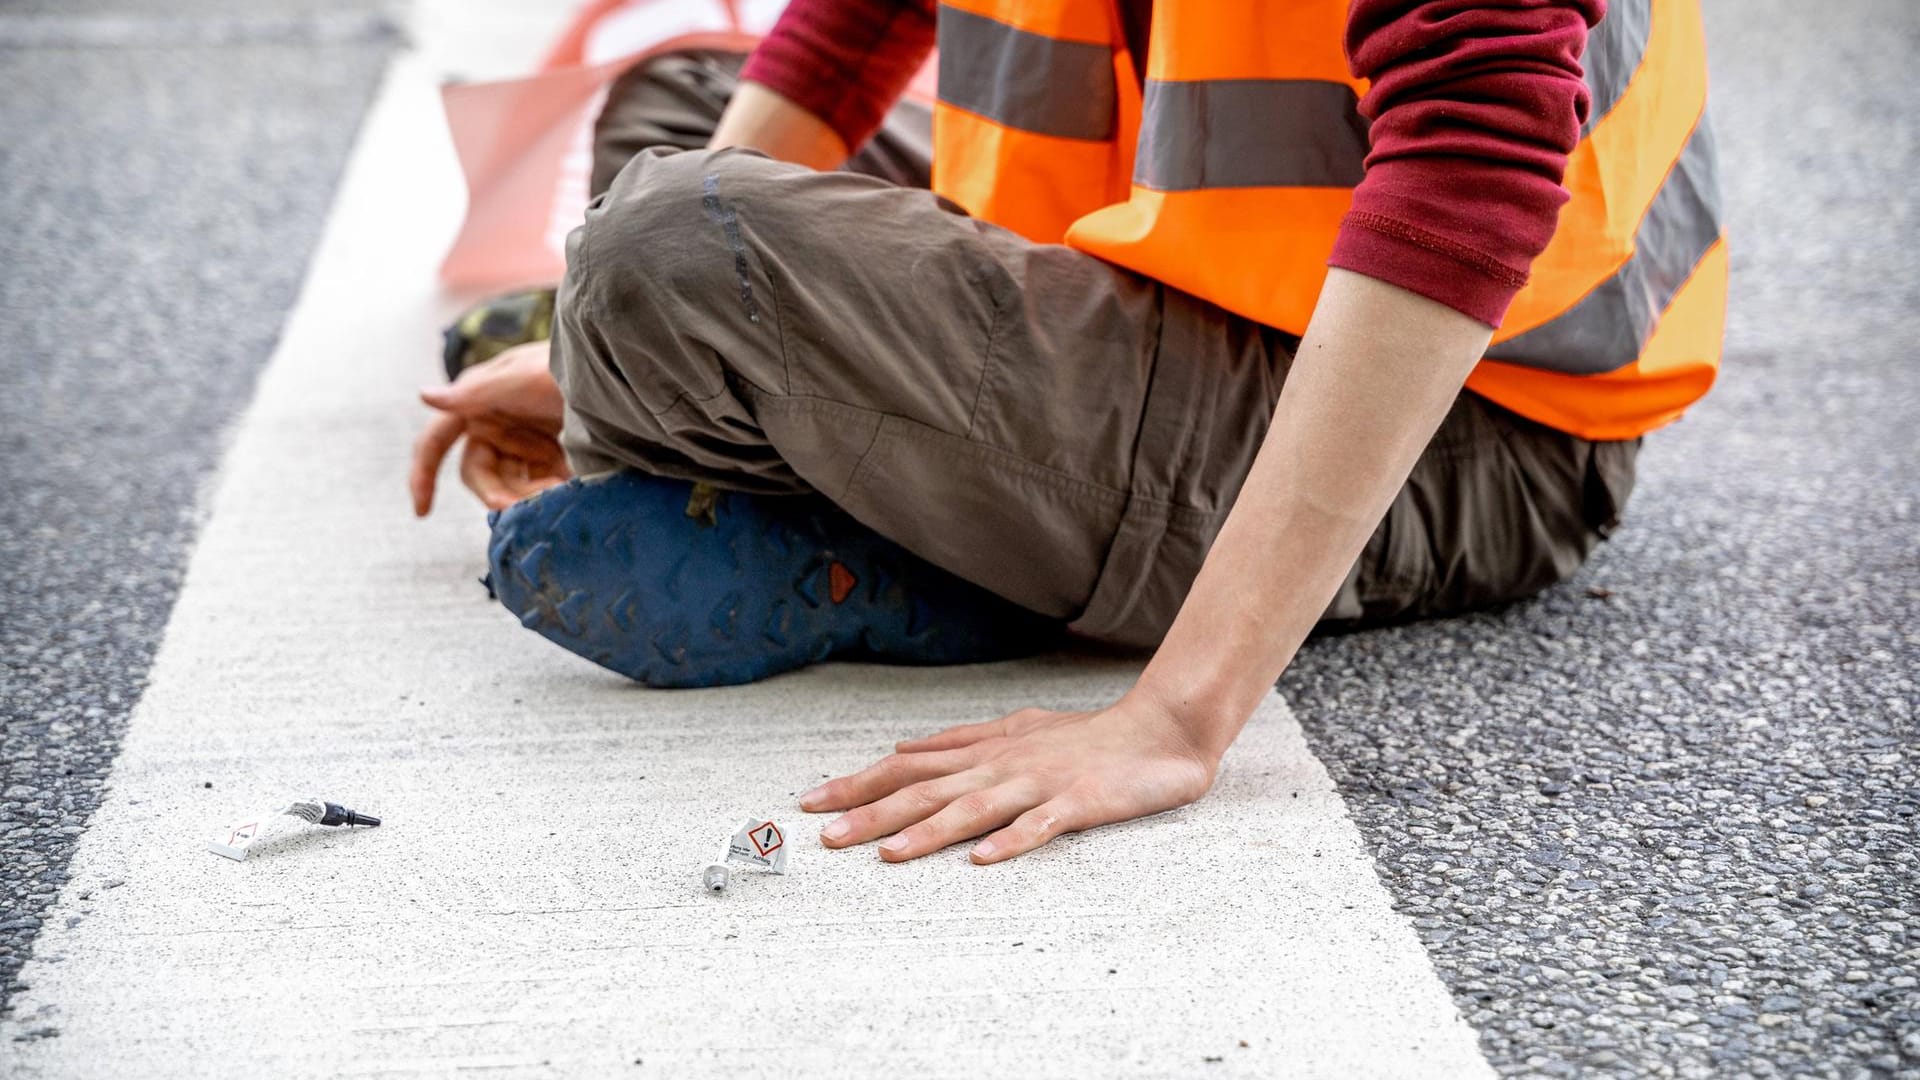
(762, 120)
(1376, 372)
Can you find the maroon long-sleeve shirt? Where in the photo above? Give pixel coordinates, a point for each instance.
(1475, 105)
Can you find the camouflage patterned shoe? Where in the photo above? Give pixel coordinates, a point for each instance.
(497, 325)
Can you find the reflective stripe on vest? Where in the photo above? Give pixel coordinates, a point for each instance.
(1024, 80)
(1606, 328)
(1310, 134)
(1230, 176)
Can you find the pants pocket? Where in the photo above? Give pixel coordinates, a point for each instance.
(886, 301)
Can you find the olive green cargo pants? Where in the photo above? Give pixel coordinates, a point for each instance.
(1064, 432)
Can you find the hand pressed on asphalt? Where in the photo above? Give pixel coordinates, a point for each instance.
(1024, 779)
(509, 410)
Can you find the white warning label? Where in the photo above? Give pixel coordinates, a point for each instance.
(759, 843)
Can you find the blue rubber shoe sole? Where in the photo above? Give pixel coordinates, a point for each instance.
(616, 570)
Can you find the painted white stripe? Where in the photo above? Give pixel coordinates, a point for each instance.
(532, 906)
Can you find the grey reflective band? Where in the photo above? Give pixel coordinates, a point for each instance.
(1614, 51)
(1024, 80)
(1232, 133)
(1606, 330)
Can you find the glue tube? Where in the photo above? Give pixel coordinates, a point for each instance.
(235, 841)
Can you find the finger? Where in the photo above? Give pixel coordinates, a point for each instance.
(470, 393)
(962, 819)
(480, 471)
(954, 737)
(1064, 813)
(447, 398)
(910, 805)
(428, 452)
(883, 778)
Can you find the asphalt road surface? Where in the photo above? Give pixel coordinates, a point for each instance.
(1672, 829)
(162, 182)
(1661, 820)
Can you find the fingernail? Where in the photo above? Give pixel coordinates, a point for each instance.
(983, 850)
(813, 797)
(896, 842)
(836, 831)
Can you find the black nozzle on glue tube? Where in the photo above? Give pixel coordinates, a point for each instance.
(329, 813)
(235, 841)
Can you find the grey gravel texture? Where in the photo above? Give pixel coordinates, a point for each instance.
(1671, 831)
(160, 196)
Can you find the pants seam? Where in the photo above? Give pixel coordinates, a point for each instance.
(797, 403)
(853, 474)
(687, 397)
(1138, 504)
(986, 368)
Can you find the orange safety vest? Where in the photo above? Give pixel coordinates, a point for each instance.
(1228, 178)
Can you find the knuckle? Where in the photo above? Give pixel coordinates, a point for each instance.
(973, 805)
(1020, 723)
(992, 745)
(921, 798)
(1040, 824)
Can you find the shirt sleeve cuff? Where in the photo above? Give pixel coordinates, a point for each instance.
(1442, 270)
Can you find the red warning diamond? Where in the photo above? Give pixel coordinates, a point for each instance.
(766, 838)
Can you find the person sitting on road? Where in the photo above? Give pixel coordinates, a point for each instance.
(1217, 323)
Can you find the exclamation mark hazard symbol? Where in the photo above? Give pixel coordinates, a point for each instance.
(766, 838)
